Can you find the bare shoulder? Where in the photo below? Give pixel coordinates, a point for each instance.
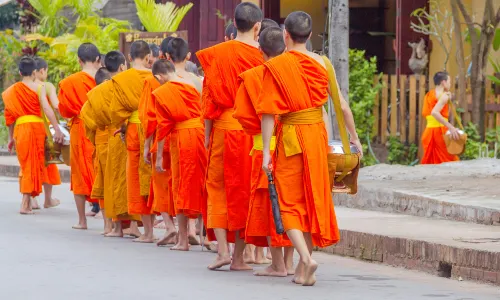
(49, 86)
(318, 58)
(444, 97)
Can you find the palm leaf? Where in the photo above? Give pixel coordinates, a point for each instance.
(161, 17)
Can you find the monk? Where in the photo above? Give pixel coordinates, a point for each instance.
(436, 111)
(229, 165)
(252, 253)
(155, 54)
(23, 116)
(53, 176)
(260, 229)
(128, 87)
(230, 33)
(178, 113)
(296, 85)
(72, 96)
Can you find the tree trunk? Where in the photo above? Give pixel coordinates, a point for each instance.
(338, 49)
(460, 57)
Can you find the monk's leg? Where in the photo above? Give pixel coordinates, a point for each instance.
(268, 254)
(26, 205)
(182, 237)
(305, 272)
(133, 230)
(289, 260)
(223, 255)
(260, 257)
(277, 267)
(80, 207)
(238, 263)
(34, 203)
(147, 237)
(49, 201)
(170, 231)
(249, 254)
(193, 239)
(117, 230)
(108, 224)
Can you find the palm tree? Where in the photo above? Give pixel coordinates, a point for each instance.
(161, 17)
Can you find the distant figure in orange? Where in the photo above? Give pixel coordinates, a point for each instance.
(436, 112)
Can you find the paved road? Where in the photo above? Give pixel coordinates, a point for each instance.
(41, 257)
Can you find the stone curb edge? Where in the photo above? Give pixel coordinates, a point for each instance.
(13, 171)
(386, 200)
(441, 260)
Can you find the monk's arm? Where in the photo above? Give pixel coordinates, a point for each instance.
(159, 156)
(11, 137)
(267, 125)
(328, 124)
(208, 131)
(436, 112)
(51, 90)
(147, 148)
(49, 112)
(349, 124)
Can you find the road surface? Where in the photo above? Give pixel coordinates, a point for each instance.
(43, 258)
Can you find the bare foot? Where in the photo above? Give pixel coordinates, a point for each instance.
(34, 203)
(26, 212)
(210, 246)
(168, 239)
(193, 240)
(220, 262)
(80, 226)
(98, 215)
(180, 247)
(299, 274)
(90, 214)
(309, 273)
(160, 225)
(133, 233)
(240, 267)
(270, 271)
(114, 234)
(290, 271)
(248, 255)
(144, 239)
(268, 254)
(53, 203)
(262, 261)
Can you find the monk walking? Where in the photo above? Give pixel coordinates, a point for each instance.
(178, 113)
(260, 229)
(124, 107)
(24, 102)
(72, 96)
(296, 85)
(436, 111)
(229, 165)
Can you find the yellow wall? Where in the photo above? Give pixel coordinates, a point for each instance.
(437, 56)
(317, 11)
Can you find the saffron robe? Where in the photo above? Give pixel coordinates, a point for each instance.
(127, 87)
(22, 108)
(178, 111)
(72, 96)
(160, 194)
(296, 88)
(229, 165)
(435, 151)
(96, 115)
(260, 221)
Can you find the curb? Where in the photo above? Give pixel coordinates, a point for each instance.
(441, 260)
(13, 171)
(385, 200)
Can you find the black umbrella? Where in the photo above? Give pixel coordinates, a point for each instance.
(275, 206)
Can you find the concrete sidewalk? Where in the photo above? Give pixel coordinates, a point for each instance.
(9, 166)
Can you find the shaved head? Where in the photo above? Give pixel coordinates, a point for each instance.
(246, 15)
(266, 23)
(299, 26)
(163, 67)
(271, 41)
(102, 75)
(231, 32)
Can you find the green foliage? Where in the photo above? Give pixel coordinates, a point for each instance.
(400, 153)
(10, 52)
(496, 40)
(4, 132)
(362, 94)
(157, 17)
(51, 22)
(9, 16)
(474, 142)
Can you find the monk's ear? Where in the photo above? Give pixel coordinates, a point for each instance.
(129, 58)
(226, 38)
(188, 56)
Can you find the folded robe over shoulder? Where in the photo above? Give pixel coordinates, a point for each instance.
(127, 87)
(260, 222)
(72, 96)
(296, 89)
(229, 165)
(178, 110)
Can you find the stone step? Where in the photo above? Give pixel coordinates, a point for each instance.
(464, 191)
(9, 166)
(444, 248)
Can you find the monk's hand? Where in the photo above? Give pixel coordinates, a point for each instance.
(455, 134)
(121, 131)
(11, 145)
(59, 136)
(266, 162)
(159, 164)
(358, 145)
(147, 154)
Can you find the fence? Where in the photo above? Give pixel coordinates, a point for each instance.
(398, 107)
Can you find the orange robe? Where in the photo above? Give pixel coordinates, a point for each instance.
(124, 107)
(22, 108)
(72, 96)
(435, 151)
(178, 111)
(160, 194)
(96, 116)
(260, 222)
(229, 165)
(295, 88)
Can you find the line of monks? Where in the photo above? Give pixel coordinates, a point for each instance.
(155, 139)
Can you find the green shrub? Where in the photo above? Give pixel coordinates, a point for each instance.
(400, 153)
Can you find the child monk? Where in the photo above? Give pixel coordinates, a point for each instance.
(24, 102)
(178, 113)
(436, 111)
(155, 54)
(53, 177)
(128, 86)
(229, 165)
(230, 33)
(260, 229)
(296, 85)
(72, 95)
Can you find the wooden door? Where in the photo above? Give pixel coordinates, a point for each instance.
(211, 26)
